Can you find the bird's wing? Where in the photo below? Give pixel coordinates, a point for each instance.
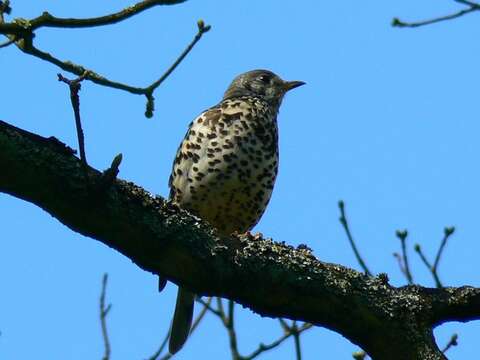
(192, 148)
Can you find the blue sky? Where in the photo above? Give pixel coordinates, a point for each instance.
(388, 122)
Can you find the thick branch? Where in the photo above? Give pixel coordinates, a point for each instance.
(271, 278)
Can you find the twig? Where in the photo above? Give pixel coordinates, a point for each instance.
(7, 43)
(110, 174)
(447, 232)
(156, 355)
(296, 339)
(359, 355)
(284, 325)
(466, 2)
(344, 222)
(265, 347)
(232, 335)
(200, 316)
(453, 342)
(220, 310)
(22, 26)
(202, 29)
(472, 6)
(228, 321)
(103, 318)
(5, 7)
(208, 306)
(403, 260)
(21, 32)
(429, 266)
(48, 20)
(195, 324)
(75, 87)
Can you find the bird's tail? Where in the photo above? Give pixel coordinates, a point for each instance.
(182, 320)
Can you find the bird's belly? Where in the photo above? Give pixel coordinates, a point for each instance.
(233, 195)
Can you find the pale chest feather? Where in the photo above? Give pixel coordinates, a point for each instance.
(226, 166)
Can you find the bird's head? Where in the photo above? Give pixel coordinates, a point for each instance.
(261, 83)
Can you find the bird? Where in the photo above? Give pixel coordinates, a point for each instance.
(225, 167)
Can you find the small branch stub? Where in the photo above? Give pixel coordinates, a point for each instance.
(75, 87)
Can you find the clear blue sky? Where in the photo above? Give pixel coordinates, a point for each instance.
(388, 122)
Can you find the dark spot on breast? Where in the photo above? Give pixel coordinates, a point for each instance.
(259, 130)
(232, 166)
(232, 117)
(244, 124)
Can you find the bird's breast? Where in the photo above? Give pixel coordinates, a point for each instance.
(226, 167)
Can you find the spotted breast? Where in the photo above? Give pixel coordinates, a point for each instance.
(226, 166)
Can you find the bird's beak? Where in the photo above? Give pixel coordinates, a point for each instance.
(289, 85)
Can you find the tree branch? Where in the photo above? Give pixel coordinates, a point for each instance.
(104, 310)
(196, 322)
(75, 86)
(343, 220)
(452, 342)
(20, 26)
(21, 33)
(403, 259)
(471, 7)
(271, 278)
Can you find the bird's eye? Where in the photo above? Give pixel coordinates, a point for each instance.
(264, 78)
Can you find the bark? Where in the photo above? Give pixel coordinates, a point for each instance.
(271, 278)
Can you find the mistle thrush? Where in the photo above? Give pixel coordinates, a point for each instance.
(226, 166)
